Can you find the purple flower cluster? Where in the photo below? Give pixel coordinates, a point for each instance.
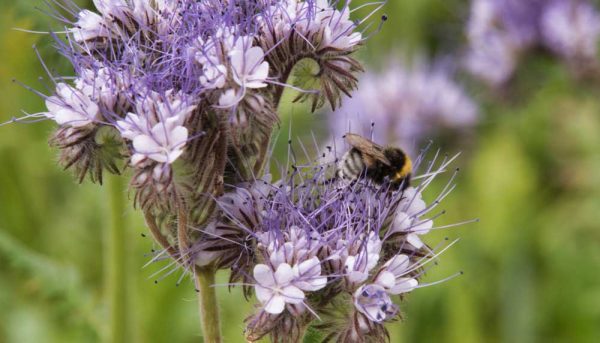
(501, 31)
(313, 247)
(189, 84)
(407, 103)
(185, 93)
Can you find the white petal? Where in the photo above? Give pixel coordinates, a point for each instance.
(264, 275)
(228, 98)
(52, 104)
(401, 222)
(423, 227)
(277, 257)
(174, 154)
(374, 313)
(350, 262)
(144, 144)
(237, 60)
(311, 267)
(284, 274)
(397, 265)
(417, 205)
(160, 134)
(293, 294)
(253, 57)
(414, 240)
(179, 135)
(404, 285)
(259, 75)
(275, 305)
(386, 279)
(372, 260)
(137, 158)
(317, 283)
(357, 276)
(66, 116)
(263, 294)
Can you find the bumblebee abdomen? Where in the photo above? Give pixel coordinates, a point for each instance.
(396, 170)
(351, 166)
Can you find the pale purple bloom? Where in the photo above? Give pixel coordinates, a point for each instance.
(358, 256)
(407, 104)
(307, 239)
(373, 301)
(71, 107)
(493, 59)
(275, 289)
(499, 31)
(89, 26)
(100, 86)
(571, 29)
(221, 56)
(395, 275)
(338, 29)
(408, 218)
(156, 129)
(249, 69)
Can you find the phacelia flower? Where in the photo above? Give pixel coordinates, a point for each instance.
(407, 104)
(314, 247)
(189, 82)
(71, 107)
(501, 31)
(571, 29)
(295, 30)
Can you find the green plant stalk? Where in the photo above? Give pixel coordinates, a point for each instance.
(207, 303)
(116, 271)
(205, 277)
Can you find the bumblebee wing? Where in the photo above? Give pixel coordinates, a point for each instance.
(372, 152)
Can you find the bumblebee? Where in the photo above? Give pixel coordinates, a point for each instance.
(376, 163)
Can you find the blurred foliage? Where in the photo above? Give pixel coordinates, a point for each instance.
(531, 265)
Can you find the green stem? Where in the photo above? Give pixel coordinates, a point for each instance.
(116, 271)
(207, 301)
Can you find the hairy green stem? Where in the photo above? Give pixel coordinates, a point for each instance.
(209, 308)
(116, 270)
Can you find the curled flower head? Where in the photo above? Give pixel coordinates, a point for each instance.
(319, 36)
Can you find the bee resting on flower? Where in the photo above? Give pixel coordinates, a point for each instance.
(322, 253)
(183, 96)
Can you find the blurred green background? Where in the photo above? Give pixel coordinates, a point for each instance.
(532, 265)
